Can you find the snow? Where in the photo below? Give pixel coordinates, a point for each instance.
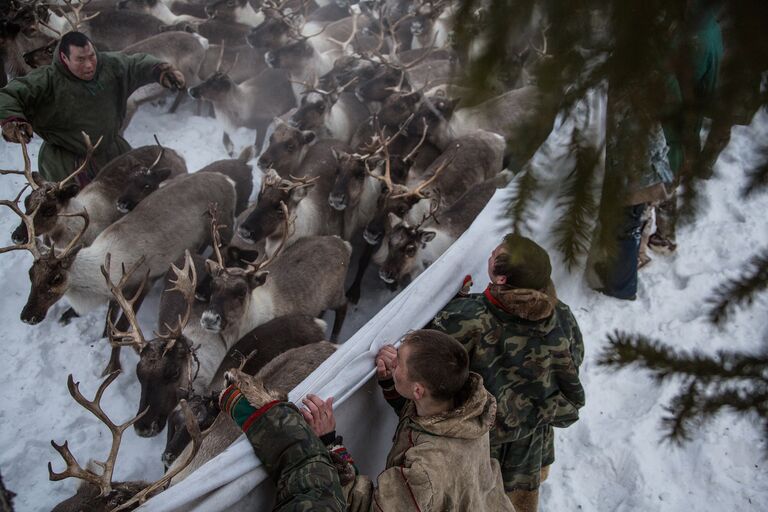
(611, 459)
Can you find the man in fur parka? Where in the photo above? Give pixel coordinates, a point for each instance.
(527, 346)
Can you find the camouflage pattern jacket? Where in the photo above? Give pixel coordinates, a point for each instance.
(295, 459)
(527, 347)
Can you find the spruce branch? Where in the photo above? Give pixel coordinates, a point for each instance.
(572, 230)
(757, 178)
(522, 198)
(742, 290)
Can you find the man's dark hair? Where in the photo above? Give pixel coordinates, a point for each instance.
(437, 361)
(524, 263)
(73, 39)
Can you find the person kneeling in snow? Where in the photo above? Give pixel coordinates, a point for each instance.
(527, 346)
(440, 457)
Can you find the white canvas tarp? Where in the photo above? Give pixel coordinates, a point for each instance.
(235, 480)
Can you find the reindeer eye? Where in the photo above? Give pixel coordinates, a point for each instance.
(56, 280)
(147, 186)
(410, 250)
(291, 148)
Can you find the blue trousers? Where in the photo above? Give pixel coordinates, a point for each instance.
(619, 272)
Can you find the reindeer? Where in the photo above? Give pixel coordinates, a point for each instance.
(253, 103)
(151, 237)
(467, 161)
(261, 345)
(279, 376)
(52, 206)
(330, 114)
(244, 299)
(409, 249)
(236, 169)
(524, 117)
(100, 493)
(234, 11)
(18, 35)
(159, 10)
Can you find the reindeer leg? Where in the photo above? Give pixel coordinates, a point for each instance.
(67, 316)
(177, 101)
(338, 321)
(353, 293)
(228, 145)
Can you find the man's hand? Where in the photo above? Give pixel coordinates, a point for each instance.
(17, 131)
(170, 77)
(386, 360)
(319, 414)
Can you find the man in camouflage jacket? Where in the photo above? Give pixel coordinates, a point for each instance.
(527, 346)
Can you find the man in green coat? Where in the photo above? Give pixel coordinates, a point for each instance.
(82, 91)
(527, 347)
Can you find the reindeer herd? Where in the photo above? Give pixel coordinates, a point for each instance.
(368, 150)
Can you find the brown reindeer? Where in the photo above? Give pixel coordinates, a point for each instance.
(56, 202)
(277, 378)
(99, 493)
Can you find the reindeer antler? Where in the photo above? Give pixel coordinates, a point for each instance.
(159, 155)
(417, 192)
(104, 480)
(29, 223)
(197, 440)
(345, 44)
(185, 283)
(433, 207)
(27, 172)
(134, 336)
(77, 20)
(89, 149)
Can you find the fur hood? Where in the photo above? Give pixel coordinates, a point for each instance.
(531, 305)
(471, 420)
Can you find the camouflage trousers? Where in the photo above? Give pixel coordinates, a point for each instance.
(521, 461)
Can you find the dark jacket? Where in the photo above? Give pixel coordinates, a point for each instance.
(60, 106)
(527, 347)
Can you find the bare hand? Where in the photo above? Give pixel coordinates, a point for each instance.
(319, 414)
(17, 131)
(172, 78)
(386, 360)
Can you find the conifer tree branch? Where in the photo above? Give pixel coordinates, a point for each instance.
(742, 290)
(757, 178)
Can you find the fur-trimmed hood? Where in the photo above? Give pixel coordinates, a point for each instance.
(531, 305)
(471, 420)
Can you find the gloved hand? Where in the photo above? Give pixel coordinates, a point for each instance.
(170, 77)
(17, 131)
(232, 402)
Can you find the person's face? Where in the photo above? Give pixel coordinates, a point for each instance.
(403, 383)
(81, 61)
(494, 278)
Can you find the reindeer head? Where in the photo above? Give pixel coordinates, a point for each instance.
(49, 278)
(41, 56)
(231, 287)
(314, 109)
(164, 369)
(403, 244)
(386, 80)
(435, 112)
(350, 67)
(349, 181)
(287, 147)
(225, 10)
(292, 56)
(215, 88)
(47, 199)
(398, 107)
(279, 28)
(205, 410)
(267, 216)
(141, 182)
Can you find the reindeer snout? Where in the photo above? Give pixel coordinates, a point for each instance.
(168, 459)
(271, 59)
(150, 430)
(338, 201)
(387, 276)
(245, 234)
(194, 92)
(125, 205)
(211, 321)
(28, 316)
(19, 235)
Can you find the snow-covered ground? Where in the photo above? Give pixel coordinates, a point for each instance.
(611, 460)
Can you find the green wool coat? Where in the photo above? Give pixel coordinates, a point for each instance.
(59, 106)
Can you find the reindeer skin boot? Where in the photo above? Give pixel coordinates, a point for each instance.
(524, 501)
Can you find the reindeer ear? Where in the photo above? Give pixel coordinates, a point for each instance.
(162, 174)
(450, 106)
(426, 236)
(212, 267)
(393, 220)
(69, 191)
(257, 279)
(308, 136)
(299, 193)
